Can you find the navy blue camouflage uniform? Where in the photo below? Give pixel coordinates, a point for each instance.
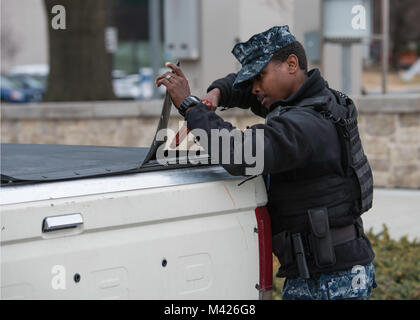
(298, 144)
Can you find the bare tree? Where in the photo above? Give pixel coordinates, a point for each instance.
(80, 66)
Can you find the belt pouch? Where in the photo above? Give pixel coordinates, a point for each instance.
(320, 238)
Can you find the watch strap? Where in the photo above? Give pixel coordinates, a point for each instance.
(189, 101)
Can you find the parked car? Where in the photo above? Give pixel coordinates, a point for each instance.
(13, 90)
(36, 71)
(29, 82)
(126, 86)
(136, 86)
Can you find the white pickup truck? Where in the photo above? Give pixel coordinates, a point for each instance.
(85, 222)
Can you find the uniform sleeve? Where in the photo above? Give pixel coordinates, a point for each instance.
(237, 98)
(280, 145)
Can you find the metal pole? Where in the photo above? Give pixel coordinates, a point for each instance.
(322, 40)
(154, 37)
(346, 67)
(385, 44)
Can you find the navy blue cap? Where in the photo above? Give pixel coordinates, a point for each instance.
(257, 52)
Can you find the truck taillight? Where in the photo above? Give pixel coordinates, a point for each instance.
(265, 248)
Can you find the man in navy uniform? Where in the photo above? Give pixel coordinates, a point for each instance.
(318, 178)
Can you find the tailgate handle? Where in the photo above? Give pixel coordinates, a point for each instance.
(67, 221)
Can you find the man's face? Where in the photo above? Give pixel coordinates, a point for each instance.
(272, 83)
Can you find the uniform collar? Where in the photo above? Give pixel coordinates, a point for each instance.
(313, 86)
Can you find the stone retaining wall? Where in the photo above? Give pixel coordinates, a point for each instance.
(389, 128)
(390, 132)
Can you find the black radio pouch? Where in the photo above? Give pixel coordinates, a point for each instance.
(320, 238)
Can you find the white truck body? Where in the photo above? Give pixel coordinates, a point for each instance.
(187, 233)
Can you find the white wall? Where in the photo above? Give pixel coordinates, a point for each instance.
(223, 24)
(307, 17)
(219, 29)
(256, 16)
(24, 33)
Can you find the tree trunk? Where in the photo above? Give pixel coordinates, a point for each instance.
(80, 66)
(404, 15)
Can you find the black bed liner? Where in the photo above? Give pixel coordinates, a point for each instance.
(32, 163)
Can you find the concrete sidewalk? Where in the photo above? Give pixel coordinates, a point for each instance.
(398, 209)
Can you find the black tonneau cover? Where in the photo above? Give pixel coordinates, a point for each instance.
(31, 163)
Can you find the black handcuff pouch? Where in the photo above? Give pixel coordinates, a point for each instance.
(320, 238)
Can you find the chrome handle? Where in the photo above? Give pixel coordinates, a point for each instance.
(62, 222)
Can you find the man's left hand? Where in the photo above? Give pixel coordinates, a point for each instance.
(176, 83)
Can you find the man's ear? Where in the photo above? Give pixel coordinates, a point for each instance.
(293, 63)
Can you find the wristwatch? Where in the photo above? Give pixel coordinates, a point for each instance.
(189, 101)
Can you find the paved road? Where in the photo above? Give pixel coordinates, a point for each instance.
(399, 209)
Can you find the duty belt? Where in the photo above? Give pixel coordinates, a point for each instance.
(286, 246)
(344, 234)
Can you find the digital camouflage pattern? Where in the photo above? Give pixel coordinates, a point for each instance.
(353, 284)
(255, 54)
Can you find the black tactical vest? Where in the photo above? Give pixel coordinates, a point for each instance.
(345, 197)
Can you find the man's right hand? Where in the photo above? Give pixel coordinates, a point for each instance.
(212, 99)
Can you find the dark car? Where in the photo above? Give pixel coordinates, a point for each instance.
(13, 90)
(29, 82)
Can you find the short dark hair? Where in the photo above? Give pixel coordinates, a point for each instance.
(295, 48)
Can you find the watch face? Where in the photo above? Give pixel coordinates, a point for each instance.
(195, 99)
